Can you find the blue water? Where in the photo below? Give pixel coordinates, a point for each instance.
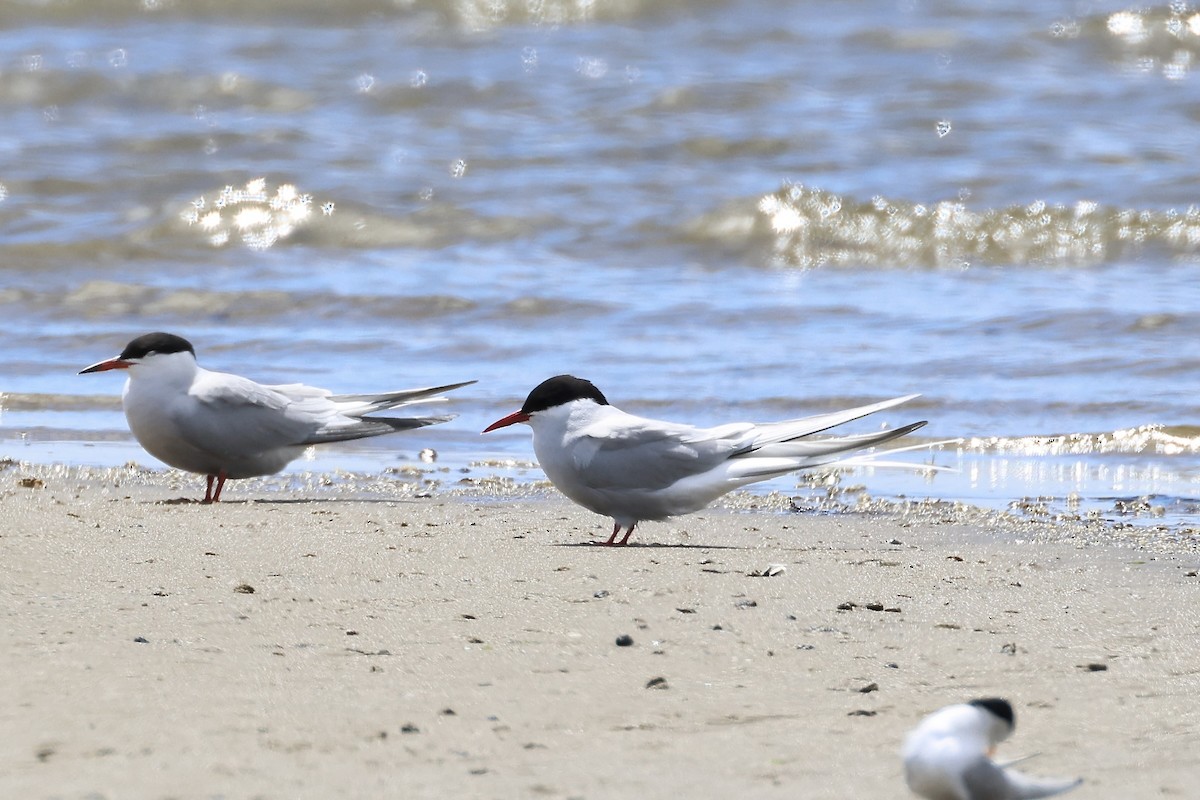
(715, 211)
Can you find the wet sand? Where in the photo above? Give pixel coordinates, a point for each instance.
(457, 646)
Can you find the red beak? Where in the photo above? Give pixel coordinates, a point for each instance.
(105, 366)
(511, 419)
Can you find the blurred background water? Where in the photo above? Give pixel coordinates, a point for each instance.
(714, 210)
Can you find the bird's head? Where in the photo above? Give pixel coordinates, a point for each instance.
(552, 393)
(997, 717)
(150, 352)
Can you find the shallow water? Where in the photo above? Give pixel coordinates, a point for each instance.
(716, 211)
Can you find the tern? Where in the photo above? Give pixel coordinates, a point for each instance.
(948, 756)
(226, 426)
(632, 468)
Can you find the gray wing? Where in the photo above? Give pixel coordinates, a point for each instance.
(1025, 787)
(624, 451)
(236, 416)
(773, 434)
(233, 415)
(650, 455)
(985, 780)
(361, 428)
(379, 402)
(830, 449)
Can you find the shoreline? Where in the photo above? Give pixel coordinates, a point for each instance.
(820, 493)
(440, 644)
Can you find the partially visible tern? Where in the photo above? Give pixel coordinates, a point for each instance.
(948, 756)
(226, 426)
(633, 469)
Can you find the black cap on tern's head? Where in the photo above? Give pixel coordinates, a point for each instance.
(560, 390)
(157, 342)
(144, 345)
(997, 707)
(552, 392)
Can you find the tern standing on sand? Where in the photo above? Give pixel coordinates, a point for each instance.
(226, 426)
(633, 468)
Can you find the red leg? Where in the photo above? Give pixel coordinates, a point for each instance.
(625, 540)
(221, 476)
(613, 538)
(208, 491)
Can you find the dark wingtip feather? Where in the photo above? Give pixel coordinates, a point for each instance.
(373, 426)
(387, 400)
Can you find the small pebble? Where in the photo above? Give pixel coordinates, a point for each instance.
(624, 640)
(601, 594)
(141, 640)
(408, 727)
(870, 687)
(1094, 667)
(244, 588)
(656, 683)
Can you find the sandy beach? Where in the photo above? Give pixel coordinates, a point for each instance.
(292, 644)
